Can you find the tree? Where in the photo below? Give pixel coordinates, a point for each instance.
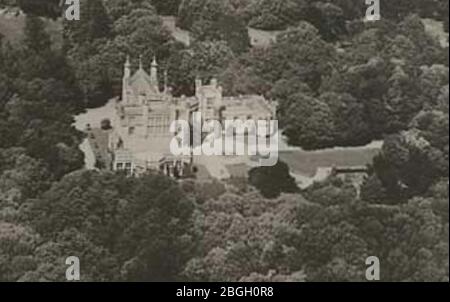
(46, 132)
(36, 38)
(275, 15)
(414, 160)
(401, 101)
(308, 123)
(94, 23)
(237, 237)
(143, 223)
(156, 236)
(209, 58)
(94, 74)
(427, 48)
(349, 119)
(17, 245)
(300, 53)
(331, 192)
(239, 78)
(166, 7)
(5, 90)
(272, 181)
(205, 60)
(22, 176)
(188, 12)
(367, 83)
(141, 32)
(45, 8)
(214, 20)
(352, 10)
(431, 82)
(226, 27)
(327, 18)
(97, 263)
(399, 9)
(119, 8)
(414, 241)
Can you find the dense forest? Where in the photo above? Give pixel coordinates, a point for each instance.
(340, 81)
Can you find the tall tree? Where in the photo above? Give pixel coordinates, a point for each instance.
(94, 23)
(36, 38)
(44, 8)
(272, 181)
(219, 21)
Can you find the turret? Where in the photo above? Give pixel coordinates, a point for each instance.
(140, 63)
(154, 74)
(198, 86)
(126, 78)
(166, 87)
(127, 69)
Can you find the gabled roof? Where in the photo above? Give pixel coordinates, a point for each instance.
(141, 83)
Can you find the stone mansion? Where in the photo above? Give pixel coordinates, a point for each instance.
(140, 138)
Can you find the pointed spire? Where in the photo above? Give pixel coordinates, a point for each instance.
(127, 68)
(126, 78)
(165, 80)
(154, 73)
(140, 62)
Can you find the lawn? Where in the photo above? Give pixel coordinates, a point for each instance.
(307, 163)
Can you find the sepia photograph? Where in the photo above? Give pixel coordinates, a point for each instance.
(241, 142)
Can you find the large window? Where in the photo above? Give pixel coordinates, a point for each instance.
(128, 168)
(158, 124)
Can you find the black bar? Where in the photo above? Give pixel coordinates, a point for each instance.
(224, 291)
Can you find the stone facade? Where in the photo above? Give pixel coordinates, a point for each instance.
(141, 136)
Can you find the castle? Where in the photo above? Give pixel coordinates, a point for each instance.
(141, 136)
